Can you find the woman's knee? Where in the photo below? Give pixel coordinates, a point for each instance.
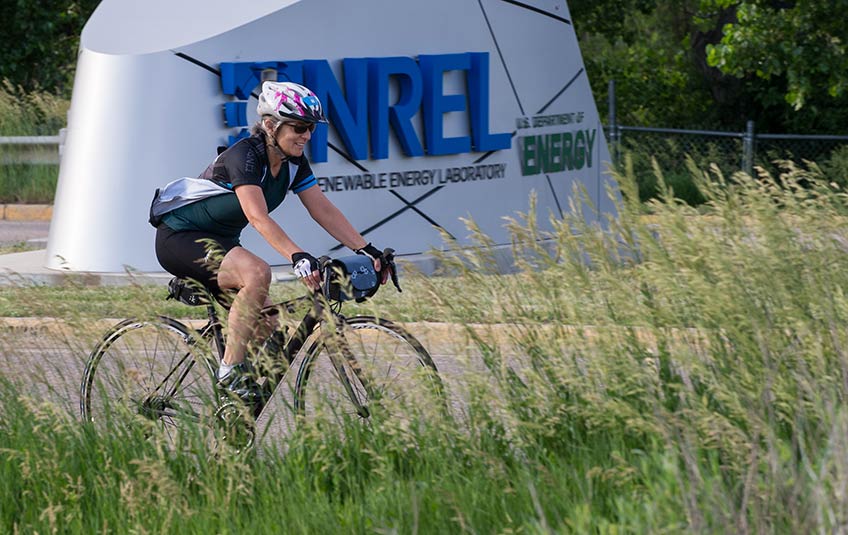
(258, 274)
(242, 268)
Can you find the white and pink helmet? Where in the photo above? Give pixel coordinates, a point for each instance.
(288, 100)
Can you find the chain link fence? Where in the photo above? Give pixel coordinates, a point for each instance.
(730, 151)
(823, 150)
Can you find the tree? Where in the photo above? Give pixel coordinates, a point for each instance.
(719, 63)
(608, 18)
(41, 40)
(655, 53)
(801, 45)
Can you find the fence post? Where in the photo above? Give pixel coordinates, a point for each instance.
(613, 126)
(63, 134)
(748, 149)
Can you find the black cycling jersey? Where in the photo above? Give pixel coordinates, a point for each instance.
(245, 162)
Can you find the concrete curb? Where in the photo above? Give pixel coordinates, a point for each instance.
(27, 268)
(26, 212)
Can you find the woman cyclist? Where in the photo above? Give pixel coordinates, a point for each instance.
(240, 187)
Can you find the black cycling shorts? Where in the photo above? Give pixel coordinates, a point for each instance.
(193, 254)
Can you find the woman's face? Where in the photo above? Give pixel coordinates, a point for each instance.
(291, 141)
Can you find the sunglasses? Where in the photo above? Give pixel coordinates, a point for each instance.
(301, 128)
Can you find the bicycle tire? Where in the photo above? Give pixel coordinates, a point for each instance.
(376, 361)
(149, 368)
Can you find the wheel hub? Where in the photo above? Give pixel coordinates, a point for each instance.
(153, 407)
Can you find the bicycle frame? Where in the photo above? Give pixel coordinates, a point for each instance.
(323, 330)
(307, 326)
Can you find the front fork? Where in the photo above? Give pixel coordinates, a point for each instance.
(340, 354)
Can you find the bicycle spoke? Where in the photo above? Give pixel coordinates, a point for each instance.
(151, 369)
(380, 363)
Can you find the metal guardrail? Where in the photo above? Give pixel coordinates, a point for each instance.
(30, 140)
(32, 149)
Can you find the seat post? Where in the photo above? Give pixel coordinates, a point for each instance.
(217, 331)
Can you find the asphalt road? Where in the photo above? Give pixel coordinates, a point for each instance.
(46, 358)
(15, 232)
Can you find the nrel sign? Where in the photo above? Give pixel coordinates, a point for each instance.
(438, 110)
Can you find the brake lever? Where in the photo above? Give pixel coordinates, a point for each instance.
(389, 257)
(323, 264)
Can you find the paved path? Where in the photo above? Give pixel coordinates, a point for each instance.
(46, 358)
(14, 232)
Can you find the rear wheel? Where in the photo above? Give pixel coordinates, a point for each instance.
(375, 367)
(148, 371)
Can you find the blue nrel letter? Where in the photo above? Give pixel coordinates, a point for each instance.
(363, 111)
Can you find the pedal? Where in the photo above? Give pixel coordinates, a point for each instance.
(237, 426)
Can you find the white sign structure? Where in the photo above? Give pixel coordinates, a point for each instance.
(439, 110)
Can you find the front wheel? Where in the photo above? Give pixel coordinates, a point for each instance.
(371, 366)
(155, 371)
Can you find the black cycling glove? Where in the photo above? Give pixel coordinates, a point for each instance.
(372, 252)
(304, 264)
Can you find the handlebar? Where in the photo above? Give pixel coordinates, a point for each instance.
(387, 262)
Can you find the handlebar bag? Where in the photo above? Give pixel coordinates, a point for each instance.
(350, 277)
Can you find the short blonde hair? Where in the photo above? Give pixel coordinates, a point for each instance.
(259, 126)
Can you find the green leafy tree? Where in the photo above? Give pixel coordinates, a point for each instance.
(608, 18)
(40, 42)
(655, 53)
(719, 63)
(802, 46)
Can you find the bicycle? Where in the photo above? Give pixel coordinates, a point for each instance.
(163, 371)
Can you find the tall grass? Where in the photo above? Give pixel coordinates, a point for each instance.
(685, 373)
(35, 113)
(718, 340)
(22, 183)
